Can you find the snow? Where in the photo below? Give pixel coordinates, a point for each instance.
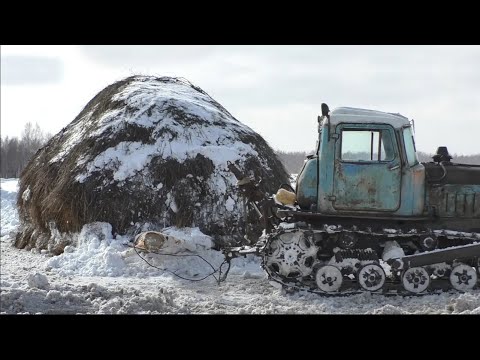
(103, 275)
(73, 137)
(287, 226)
(229, 204)
(293, 180)
(9, 216)
(147, 102)
(26, 194)
(127, 158)
(390, 231)
(392, 250)
(37, 280)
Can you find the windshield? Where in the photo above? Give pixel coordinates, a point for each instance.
(367, 145)
(410, 146)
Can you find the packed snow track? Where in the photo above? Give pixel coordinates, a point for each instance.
(104, 275)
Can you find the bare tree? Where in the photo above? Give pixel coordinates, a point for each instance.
(16, 153)
(3, 157)
(292, 160)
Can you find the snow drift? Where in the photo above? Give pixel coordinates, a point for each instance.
(102, 275)
(144, 153)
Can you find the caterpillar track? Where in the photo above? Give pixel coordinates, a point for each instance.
(335, 261)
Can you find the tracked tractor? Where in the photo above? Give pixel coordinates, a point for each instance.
(367, 216)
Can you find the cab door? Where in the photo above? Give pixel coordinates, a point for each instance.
(367, 171)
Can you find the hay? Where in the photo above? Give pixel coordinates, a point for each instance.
(144, 152)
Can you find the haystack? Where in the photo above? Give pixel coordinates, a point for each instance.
(144, 153)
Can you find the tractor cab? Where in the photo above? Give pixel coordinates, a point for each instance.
(362, 200)
(365, 165)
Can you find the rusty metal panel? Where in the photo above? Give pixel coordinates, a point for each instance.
(456, 200)
(476, 205)
(450, 203)
(307, 185)
(366, 178)
(460, 204)
(469, 203)
(451, 173)
(366, 187)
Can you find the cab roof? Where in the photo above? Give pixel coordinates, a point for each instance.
(362, 116)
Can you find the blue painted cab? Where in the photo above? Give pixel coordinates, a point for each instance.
(365, 163)
(366, 166)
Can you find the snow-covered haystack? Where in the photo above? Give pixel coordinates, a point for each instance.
(145, 152)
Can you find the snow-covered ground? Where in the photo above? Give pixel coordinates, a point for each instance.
(104, 275)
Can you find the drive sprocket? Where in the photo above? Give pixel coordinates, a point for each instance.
(290, 255)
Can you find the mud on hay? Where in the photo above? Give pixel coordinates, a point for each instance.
(145, 152)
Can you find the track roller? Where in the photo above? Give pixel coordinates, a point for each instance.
(463, 277)
(416, 280)
(371, 277)
(329, 278)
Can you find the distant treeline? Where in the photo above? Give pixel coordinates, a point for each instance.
(293, 160)
(15, 153)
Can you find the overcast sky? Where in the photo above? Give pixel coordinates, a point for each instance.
(276, 90)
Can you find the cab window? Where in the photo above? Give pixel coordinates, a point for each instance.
(367, 145)
(410, 149)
